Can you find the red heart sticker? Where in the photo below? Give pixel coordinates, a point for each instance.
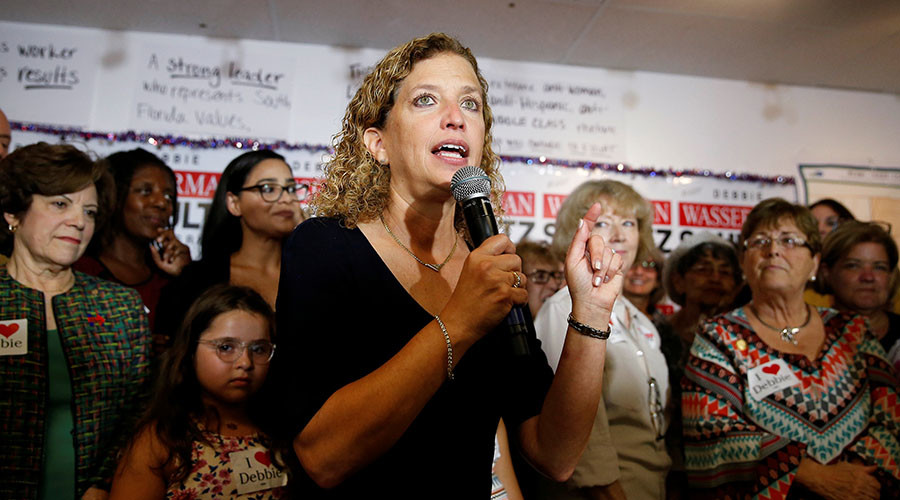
(8, 330)
(263, 458)
(771, 369)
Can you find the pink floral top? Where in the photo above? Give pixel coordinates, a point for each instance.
(212, 475)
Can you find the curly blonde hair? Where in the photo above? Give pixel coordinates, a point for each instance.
(356, 185)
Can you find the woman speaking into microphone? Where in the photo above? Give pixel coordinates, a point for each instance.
(392, 380)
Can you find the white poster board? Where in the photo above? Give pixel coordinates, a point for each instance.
(48, 75)
(212, 90)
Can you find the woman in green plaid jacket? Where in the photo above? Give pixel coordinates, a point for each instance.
(73, 348)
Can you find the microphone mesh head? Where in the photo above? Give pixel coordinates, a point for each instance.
(469, 182)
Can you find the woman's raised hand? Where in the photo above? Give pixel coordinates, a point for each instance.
(594, 273)
(485, 292)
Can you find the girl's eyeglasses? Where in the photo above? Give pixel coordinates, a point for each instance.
(230, 350)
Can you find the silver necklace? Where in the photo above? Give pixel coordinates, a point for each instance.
(788, 333)
(435, 268)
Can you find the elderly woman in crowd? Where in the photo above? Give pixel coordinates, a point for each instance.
(396, 380)
(702, 276)
(255, 208)
(74, 348)
(783, 399)
(544, 271)
(138, 248)
(626, 455)
(859, 267)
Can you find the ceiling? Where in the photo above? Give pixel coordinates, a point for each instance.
(851, 44)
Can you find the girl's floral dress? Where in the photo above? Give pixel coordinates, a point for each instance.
(211, 474)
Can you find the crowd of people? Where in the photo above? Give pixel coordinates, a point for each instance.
(759, 367)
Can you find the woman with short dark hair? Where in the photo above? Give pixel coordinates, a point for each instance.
(138, 248)
(74, 348)
(780, 398)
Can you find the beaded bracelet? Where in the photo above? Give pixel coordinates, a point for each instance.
(449, 347)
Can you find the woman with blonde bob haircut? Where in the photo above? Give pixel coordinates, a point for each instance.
(626, 456)
(397, 379)
(627, 200)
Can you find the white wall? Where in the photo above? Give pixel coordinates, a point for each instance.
(666, 121)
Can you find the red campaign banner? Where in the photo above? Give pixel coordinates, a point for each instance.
(713, 216)
(662, 212)
(196, 184)
(518, 203)
(552, 203)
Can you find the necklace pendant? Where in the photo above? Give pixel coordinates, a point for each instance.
(788, 333)
(433, 267)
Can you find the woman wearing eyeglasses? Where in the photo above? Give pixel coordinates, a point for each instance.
(544, 271)
(256, 206)
(780, 398)
(626, 455)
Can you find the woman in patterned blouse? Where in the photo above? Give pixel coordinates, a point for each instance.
(780, 398)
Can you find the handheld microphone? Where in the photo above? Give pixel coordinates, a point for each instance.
(471, 188)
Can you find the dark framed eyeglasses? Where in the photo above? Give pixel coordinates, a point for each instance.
(230, 350)
(271, 192)
(787, 242)
(541, 276)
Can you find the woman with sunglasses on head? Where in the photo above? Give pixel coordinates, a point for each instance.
(256, 206)
(780, 398)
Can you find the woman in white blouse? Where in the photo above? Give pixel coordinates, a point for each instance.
(626, 454)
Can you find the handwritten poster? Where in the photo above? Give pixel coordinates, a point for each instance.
(48, 75)
(567, 118)
(212, 90)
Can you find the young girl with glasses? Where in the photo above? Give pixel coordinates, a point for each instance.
(202, 436)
